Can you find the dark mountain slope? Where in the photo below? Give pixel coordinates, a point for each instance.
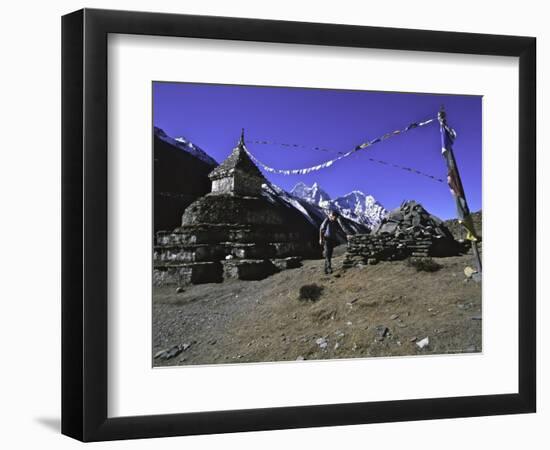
(180, 178)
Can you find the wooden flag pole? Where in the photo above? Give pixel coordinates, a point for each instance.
(442, 116)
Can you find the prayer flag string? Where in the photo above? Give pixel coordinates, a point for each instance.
(341, 156)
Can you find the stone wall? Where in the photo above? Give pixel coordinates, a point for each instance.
(223, 185)
(231, 209)
(208, 253)
(369, 249)
(407, 231)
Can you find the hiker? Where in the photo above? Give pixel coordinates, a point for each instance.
(328, 236)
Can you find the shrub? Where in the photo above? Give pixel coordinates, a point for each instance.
(310, 292)
(424, 264)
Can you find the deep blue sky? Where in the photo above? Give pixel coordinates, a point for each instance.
(212, 116)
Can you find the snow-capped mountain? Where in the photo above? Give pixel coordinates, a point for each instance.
(186, 145)
(313, 213)
(356, 206)
(311, 194)
(359, 207)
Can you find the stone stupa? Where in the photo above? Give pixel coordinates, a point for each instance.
(233, 232)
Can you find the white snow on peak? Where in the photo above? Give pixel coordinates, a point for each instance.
(185, 145)
(311, 194)
(288, 199)
(355, 205)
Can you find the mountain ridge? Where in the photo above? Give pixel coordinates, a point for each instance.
(180, 177)
(355, 205)
(187, 146)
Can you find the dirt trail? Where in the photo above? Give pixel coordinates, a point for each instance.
(379, 310)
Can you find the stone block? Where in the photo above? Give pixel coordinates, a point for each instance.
(252, 251)
(182, 274)
(291, 262)
(189, 253)
(247, 269)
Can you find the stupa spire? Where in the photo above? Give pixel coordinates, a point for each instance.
(237, 174)
(241, 141)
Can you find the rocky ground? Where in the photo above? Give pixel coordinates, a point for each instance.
(386, 309)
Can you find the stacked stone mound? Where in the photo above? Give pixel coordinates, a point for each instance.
(232, 232)
(406, 231)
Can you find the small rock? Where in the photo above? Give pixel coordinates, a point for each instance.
(413, 339)
(382, 331)
(322, 343)
(229, 257)
(212, 342)
(423, 343)
(300, 358)
(160, 352)
(185, 346)
(169, 353)
(394, 316)
(336, 346)
(348, 323)
(179, 290)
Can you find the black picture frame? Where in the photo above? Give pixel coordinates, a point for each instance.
(84, 224)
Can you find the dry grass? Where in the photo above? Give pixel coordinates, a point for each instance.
(253, 321)
(424, 264)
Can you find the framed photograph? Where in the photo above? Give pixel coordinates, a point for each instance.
(273, 224)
